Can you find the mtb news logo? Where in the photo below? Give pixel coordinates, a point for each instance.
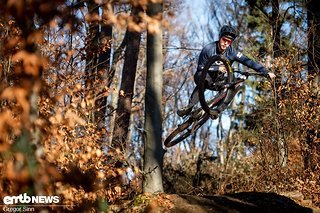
(26, 199)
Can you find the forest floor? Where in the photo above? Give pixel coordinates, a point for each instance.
(243, 202)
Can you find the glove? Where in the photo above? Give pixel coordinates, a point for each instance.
(271, 75)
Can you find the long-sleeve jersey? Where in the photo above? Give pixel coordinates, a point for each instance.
(231, 54)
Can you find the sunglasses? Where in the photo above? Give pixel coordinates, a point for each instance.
(226, 40)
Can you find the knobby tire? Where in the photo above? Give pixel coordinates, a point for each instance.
(172, 140)
(208, 108)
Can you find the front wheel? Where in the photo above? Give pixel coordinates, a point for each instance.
(227, 77)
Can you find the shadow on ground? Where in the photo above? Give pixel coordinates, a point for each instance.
(240, 202)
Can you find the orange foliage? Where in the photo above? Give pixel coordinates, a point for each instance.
(49, 144)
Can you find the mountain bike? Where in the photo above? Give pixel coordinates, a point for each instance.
(225, 88)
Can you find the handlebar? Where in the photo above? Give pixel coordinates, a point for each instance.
(239, 80)
(247, 74)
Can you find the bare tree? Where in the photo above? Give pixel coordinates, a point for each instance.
(313, 8)
(97, 61)
(311, 156)
(153, 152)
(276, 26)
(123, 112)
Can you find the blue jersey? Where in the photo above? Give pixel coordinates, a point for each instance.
(231, 54)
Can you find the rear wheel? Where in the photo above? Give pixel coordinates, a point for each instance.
(185, 130)
(215, 95)
(179, 134)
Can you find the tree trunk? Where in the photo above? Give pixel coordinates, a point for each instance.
(313, 14)
(220, 146)
(153, 152)
(123, 110)
(231, 142)
(91, 46)
(242, 110)
(98, 52)
(276, 26)
(105, 39)
(311, 154)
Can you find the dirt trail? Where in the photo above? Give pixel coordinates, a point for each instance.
(234, 203)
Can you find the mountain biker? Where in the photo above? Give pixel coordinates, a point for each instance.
(221, 47)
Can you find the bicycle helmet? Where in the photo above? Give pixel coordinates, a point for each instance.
(229, 32)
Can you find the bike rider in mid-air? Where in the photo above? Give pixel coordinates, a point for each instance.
(224, 48)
